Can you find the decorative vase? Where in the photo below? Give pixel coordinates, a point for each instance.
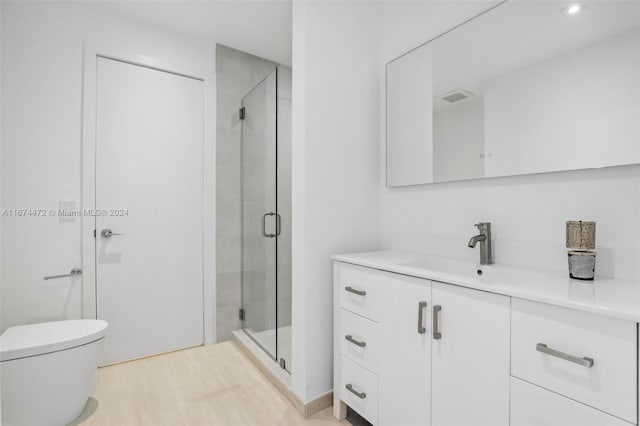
(581, 240)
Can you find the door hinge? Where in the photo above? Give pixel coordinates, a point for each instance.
(241, 314)
(94, 233)
(242, 113)
(283, 364)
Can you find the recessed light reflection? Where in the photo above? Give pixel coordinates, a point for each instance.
(573, 9)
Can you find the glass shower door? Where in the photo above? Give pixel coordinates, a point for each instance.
(259, 218)
(284, 209)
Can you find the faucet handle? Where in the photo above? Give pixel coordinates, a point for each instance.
(481, 225)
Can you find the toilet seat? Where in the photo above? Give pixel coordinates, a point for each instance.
(37, 339)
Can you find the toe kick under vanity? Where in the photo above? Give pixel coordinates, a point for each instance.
(434, 341)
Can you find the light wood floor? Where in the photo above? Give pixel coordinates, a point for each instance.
(207, 385)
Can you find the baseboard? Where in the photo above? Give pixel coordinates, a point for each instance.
(320, 403)
(148, 356)
(305, 410)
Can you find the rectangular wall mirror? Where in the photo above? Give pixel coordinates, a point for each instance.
(526, 87)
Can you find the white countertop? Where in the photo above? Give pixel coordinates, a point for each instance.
(606, 296)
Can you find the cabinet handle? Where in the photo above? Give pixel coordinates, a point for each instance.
(354, 341)
(421, 307)
(436, 334)
(360, 395)
(354, 291)
(587, 362)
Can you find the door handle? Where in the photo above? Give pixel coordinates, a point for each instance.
(108, 233)
(421, 307)
(72, 273)
(264, 225)
(436, 333)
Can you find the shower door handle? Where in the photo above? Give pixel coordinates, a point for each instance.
(278, 224)
(264, 225)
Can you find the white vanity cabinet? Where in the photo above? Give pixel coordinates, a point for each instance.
(470, 357)
(378, 380)
(580, 357)
(532, 405)
(411, 349)
(467, 351)
(404, 378)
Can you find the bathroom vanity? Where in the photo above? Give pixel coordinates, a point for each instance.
(425, 340)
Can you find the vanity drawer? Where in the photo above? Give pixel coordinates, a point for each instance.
(359, 289)
(359, 340)
(586, 357)
(359, 389)
(532, 406)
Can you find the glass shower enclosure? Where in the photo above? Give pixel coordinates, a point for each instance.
(266, 215)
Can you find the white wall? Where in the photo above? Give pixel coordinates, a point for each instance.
(528, 214)
(335, 171)
(41, 163)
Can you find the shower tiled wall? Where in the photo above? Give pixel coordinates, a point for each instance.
(237, 73)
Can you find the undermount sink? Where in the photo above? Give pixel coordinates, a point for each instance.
(467, 269)
(446, 265)
(459, 271)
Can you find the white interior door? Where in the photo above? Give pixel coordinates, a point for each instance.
(149, 163)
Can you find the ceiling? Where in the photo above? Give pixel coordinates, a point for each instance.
(262, 28)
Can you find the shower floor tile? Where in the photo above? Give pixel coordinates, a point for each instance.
(267, 339)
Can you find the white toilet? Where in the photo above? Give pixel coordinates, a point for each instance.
(48, 371)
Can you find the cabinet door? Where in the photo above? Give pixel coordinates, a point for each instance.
(404, 395)
(470, 357)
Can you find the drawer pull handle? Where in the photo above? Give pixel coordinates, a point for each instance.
(587, 362)
(354, 291)
(421, 306)
(436, 333)
(354, 341)
(360, 395)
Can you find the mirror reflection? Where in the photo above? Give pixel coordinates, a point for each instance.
(527, 87)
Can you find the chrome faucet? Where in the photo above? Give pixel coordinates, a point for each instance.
(486, 255)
